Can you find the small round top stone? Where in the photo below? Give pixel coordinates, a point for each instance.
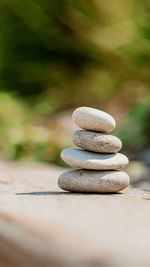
(93, 119)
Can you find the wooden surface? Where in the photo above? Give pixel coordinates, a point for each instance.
(40, 225)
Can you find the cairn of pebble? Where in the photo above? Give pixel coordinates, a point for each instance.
(97, 161)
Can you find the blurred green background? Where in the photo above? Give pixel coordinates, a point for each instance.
(59, 55)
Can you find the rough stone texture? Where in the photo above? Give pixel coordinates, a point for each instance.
(96, 142)
(93, 119)
(93, 181)
(41, 225)
(94, 161)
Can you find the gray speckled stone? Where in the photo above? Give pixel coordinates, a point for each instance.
(97, 142)
(94, 161)
(93, 119)
(93, 181)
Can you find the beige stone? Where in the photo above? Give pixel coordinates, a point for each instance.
(97, 142)
(93, 181)
(94, 161)
(93, 119)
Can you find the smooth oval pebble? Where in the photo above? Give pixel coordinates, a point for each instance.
(93, 119)
(97, 142)
(93, 181)
(94, 161)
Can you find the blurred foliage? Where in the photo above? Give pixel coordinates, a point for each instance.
(22, 137)
(57, 55)
(65, 49)
(135, 131)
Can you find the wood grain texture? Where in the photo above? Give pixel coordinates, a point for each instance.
(40, 225)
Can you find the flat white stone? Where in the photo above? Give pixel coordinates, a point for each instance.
(96, 142)
(93, 181)
(94, 161)
(93, 119)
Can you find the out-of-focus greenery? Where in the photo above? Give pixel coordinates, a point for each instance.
(24, 138)
(135, 132)
(60, 54)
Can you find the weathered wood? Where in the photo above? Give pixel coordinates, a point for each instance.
(40, 225)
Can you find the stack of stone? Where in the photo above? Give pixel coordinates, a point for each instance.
(98, 163)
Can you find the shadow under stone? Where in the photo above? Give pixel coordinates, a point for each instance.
(56, 193)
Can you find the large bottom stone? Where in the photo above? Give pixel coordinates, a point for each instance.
(93, 181)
